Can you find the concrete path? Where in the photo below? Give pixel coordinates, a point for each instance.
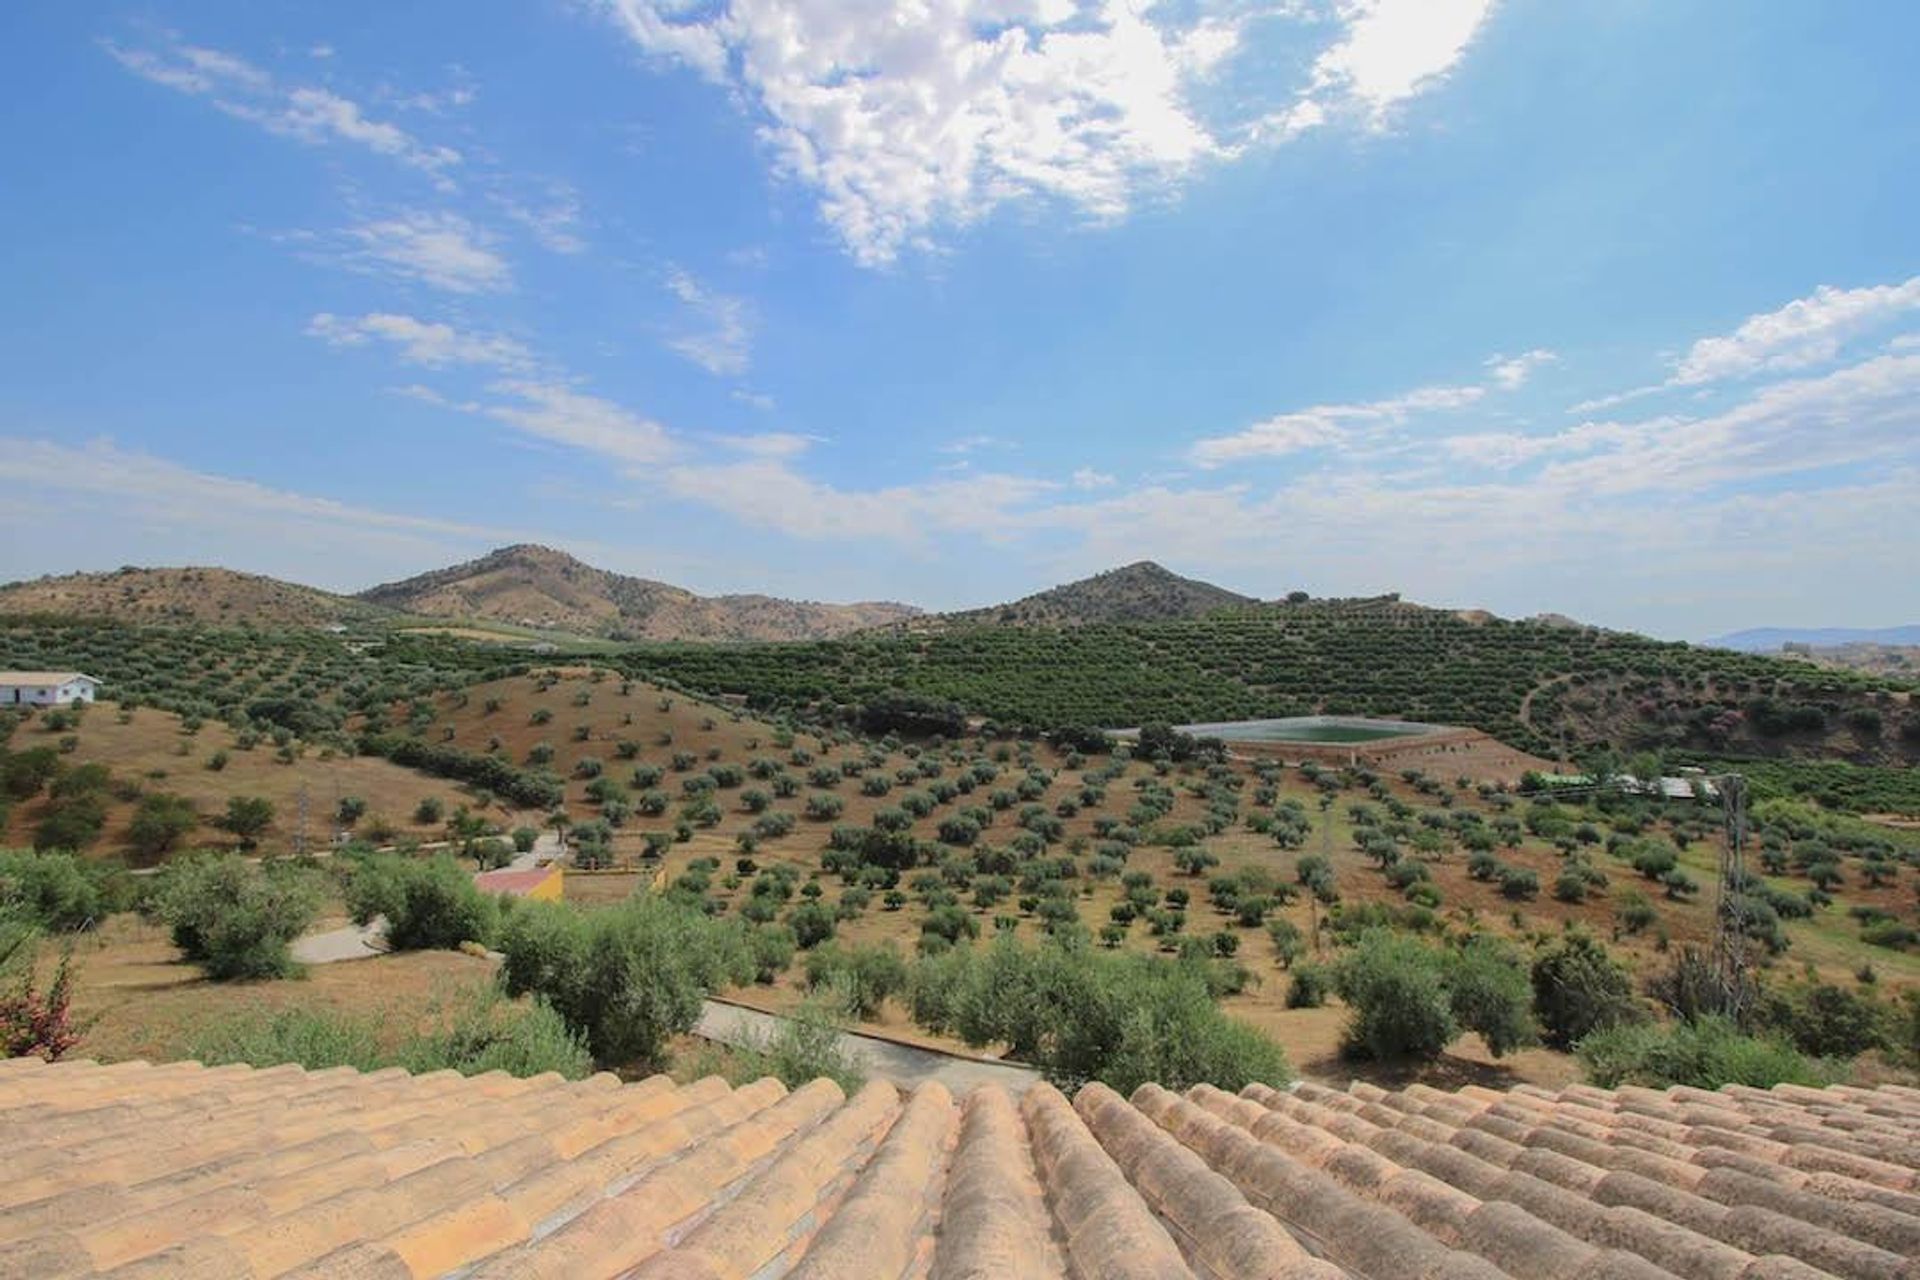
(348, 942)
(902, 1064)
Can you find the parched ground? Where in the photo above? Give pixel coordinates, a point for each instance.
(138, 999)
(150, 750)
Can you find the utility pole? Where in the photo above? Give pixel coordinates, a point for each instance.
(1730, 910)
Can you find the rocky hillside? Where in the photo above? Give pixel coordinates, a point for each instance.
(539, 587)
(204, 596)
(1139, 592)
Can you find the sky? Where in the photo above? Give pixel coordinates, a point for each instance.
(1609, 308)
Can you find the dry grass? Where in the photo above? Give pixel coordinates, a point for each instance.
(150, 749)
(142, 1001)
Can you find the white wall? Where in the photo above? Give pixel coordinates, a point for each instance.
(32, 695)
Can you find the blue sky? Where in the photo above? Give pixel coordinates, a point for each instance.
(1602, 307)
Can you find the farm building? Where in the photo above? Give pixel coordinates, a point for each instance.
(544, 883)
(46, 688)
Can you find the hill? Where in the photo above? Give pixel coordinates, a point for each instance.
(1138, 592)
(176, 596)
(1770, 639)
(537, 586)
(1535, 685)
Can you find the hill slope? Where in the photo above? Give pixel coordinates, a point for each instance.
(1138, 592)
(540, 587)
(1768, 639)
(213, 597)
(1534, 685)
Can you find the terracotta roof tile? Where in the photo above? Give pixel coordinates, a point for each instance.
(178, 1170)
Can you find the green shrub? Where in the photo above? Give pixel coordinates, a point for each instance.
(1310, 986)
(1579, 989)
(1705, 1054)
(863, 977)
(485, 1032)
(1400, 1005)
(232, 918)
(1828, 1021)
(1488, 987)
(57, 892)
(160, 823)
(629, 977)
(429, 903)
(1080, 1014)
(804, 1046)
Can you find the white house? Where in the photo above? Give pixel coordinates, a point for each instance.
(46, 688)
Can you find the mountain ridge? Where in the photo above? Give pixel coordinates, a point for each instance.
(531, 585)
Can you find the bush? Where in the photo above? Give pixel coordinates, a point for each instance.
(234, 919)
(1488, 987)
(1828, 1021)
(1310, 987)
(485, 1032)
(1579, 989)
(1401, 1007)
(57, 892)
(805, 1046)
(1080, 1014)
(430, 904)
(1705, 1054)
(628, 977)
(160, 823)
(863, 977)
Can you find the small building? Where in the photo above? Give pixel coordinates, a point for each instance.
(545, 884)
(46, 688)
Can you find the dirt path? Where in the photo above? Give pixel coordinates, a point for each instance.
(1525, 714)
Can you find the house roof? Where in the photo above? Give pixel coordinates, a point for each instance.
(178, 1170)
(43, 677)
(514, 882)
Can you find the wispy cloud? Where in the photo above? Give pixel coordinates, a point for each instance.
(1327, 424)
(1804, 332)
(440, 249)
(1510, 373)
(421, 342)
(722, 341)
(307, 113)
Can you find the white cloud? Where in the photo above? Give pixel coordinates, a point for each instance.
(769, 444)
(178, 514)
(443, 250)
(1510, 373)
(553, 222)
(754, 399)
(1391, 50)
(723, 341)
(421, 342)
(304, 112)
(1805, 332)
(558, 413)
(768, 493)
(1327, 424)
(900, 123)
(965, 445)
(1088, 478)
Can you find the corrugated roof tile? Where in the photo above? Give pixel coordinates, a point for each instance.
(160, 1172)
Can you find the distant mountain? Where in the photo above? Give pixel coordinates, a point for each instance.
(539, 587)
(1139, 592)
(208, 596)
(1769, 639)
